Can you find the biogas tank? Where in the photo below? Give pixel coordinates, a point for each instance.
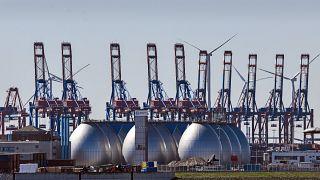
(161, 145)
(204, 140)
(95, 143)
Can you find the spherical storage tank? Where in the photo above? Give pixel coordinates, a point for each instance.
(161, 145)
(95, 144)
(205, 140)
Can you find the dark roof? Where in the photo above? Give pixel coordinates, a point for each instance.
(29, 129)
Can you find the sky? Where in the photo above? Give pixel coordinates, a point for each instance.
(289, 27)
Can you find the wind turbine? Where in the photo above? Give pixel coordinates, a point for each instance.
(293, 79)
(208, 56)
(244, 89)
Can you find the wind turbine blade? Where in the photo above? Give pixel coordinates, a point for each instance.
(190, 44)
(55, 78)
(222, 45)
(263, 78)
(28, 100)
(314, 58)
(80, 69)
(284, 77)
(296, 75)
(241, 77)
(267, 71)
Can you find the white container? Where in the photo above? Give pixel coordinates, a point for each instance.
(28, 168)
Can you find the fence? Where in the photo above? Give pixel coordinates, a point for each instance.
(247, 168)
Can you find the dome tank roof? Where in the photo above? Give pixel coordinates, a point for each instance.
(121, 128)
(199, 140)
(205, 140)
(245, 148)
(95, 144)
(161, 145)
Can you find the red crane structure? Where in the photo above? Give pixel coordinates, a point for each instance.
(223, 101)
(188, 106)
(75, 106)
(44, 105)
(303, 111)
(158, 102)
(121, 104)
(13, 110)
(247, 110)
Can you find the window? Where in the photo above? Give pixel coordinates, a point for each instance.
(286, 158)
(37, 146)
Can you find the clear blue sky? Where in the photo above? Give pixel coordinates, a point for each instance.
(264, 27)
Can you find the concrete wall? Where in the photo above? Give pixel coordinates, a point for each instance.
(94, 176)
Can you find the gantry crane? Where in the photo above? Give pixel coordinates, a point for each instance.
(292, 113)
(201, 92)
(44, 105)
(304, 112)
(223, 103)
(159, 104)
(188, 107)
(121, 104)
(13, 110)
(75, 108)
(273, 111)
(246, 110)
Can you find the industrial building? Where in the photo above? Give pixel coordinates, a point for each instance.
(295, 157)
(29, 140)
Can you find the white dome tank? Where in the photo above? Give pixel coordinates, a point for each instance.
(245, 148)
(95, 144)
(176, 134)
(199, 140)
(205, 140)
(161, 145)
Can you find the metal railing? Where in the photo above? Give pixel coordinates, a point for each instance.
(252, 168)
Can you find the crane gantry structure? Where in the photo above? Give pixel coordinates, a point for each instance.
(75, 108)
(44, 104)
(187, 105)
(12, 110)
(223, 101)
(194, 106)
(121, 105)
(158, 102)
(303, 113)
